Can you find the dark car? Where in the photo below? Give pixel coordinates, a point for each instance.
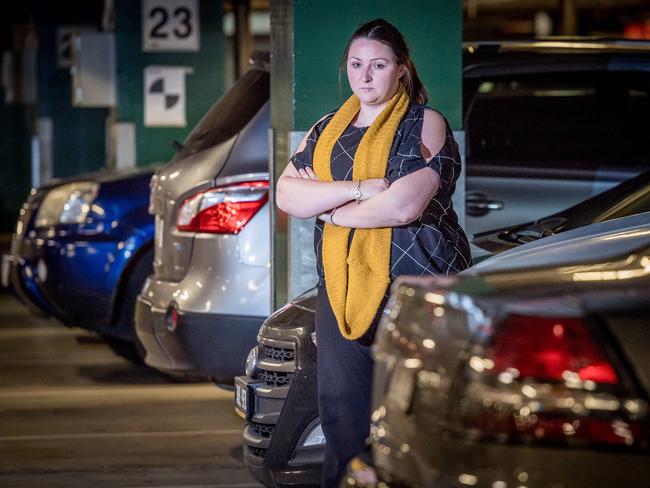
(549, 124)
(283, 446)
(522, 373)
(82, 250)
(627, 198)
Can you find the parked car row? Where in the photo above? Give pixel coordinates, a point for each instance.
(518, 392)
(172, 266)
(529, 369)
(199, 312)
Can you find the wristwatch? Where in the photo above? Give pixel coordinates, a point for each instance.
(357, 193)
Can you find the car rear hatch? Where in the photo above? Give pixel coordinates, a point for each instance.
(197, 165)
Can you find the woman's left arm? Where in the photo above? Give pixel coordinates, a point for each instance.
(401, 204)
(405, 200)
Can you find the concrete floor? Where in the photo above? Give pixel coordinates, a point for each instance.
(73, 414)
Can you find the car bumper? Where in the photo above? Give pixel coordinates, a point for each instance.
(75, 277)
(280, 417)
(20, 276)
(486, 465)
(199, 345)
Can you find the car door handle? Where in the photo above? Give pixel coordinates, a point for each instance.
(478, 204)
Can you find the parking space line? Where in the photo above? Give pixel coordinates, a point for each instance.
(189, 391)
(118, 435)
(43, 331)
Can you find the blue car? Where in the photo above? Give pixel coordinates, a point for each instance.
(81, 251)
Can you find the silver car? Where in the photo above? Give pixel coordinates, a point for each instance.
(199, 313)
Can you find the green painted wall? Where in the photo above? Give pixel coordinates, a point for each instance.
(78, 133)
(433, 30)
(307, 41)
(203, 87)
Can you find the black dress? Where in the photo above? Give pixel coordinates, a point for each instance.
(434, 244)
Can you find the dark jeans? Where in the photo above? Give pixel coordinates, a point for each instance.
(344, 387)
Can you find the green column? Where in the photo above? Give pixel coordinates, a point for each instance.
(78, 134)
(307, 41)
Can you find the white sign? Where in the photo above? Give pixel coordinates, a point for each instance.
(164, 96)
(170, 25)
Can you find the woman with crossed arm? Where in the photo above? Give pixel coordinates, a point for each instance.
(379, 174)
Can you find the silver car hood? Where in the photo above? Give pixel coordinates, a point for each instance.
(595, 242)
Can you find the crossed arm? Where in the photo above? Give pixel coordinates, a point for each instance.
(300, 193)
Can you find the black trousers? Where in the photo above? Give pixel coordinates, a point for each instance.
(344, 388)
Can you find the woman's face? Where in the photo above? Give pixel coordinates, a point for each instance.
(373, 72)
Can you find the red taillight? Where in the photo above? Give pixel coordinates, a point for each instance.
(222, 210)
(549, 379)
(550, 349)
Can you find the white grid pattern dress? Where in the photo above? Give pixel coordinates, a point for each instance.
(434, 244)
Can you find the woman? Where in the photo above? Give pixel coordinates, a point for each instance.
(379, 174)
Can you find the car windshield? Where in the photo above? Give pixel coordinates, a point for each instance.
(230, 114)
(583, 119)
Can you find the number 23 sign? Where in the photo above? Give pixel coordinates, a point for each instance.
(170, 25)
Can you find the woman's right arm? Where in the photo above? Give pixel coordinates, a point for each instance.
(302, 195)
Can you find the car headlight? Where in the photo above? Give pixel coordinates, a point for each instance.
(67, 204)
(315, 437)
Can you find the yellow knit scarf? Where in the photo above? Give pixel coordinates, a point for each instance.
(356, 282)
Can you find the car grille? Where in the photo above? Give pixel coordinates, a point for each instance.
(257, 452)
(279, 353)
(262, 430)
(273, 378)
(276, 369)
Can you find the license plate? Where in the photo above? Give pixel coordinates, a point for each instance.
(244, 396)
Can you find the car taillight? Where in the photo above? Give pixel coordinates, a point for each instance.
(222, 210)
(549, 349)
(549, 379)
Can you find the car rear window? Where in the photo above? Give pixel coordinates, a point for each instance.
(574, 120)
(230, 114)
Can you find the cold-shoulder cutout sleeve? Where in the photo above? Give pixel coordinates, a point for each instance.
(409, 158)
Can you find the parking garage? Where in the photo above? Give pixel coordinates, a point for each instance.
(157, 308)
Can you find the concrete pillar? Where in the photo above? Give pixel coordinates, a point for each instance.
(243, 40)
(307, 42)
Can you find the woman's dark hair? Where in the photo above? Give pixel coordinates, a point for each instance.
(386, 33)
